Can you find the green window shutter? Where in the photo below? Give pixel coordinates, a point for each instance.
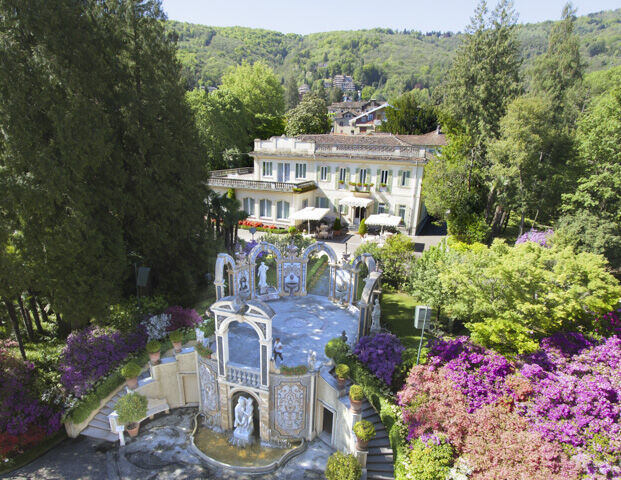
(389, 182)
(329, 173)
(408, 180)
(318, 173)
(399, 176)
(347, 176)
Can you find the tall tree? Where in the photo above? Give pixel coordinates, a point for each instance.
(292, 97)
(409, 116)
(262, 95)
(310, 116)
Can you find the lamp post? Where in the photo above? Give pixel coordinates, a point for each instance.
(421, 317)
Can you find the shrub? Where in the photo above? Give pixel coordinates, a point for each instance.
(153, 346)
(131, 370)
(336, 348)
(364, 430)
(157, 326)
(299, 370)
(343, 467)
(92, 353)
(356, 393)
(176, 336)
(208, 327)
(292, 230)
(541, 238)
(381, 353)
(202, 350)
(430, 458)
(182, 318)
(337, 224)
(363, 229)
(131, 408)
(342, 371)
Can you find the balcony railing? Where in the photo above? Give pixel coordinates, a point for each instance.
(232, 171)
(351, 150)
(231, 182)
(246, 376)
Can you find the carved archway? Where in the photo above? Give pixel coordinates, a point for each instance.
(252, 260)
(320, 247)
(223, 260)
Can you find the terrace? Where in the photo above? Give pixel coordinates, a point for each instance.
(244, 178)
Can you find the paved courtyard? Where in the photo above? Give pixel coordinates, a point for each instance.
(161, 451)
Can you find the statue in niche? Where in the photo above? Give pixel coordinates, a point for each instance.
(248, 414)
(375, 317)
(243, 424)
(240, 412)
(263, 278)
(243, 282)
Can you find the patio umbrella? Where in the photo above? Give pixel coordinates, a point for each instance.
(310, 213)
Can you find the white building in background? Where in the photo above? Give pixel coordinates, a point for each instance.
(354, 176)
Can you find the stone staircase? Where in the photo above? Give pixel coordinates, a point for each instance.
(380, 457)
(99, 426)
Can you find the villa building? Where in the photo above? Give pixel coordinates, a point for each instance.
(350, 176)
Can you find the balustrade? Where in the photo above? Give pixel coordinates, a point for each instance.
(246, 376)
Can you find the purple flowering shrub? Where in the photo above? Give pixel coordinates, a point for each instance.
(381, 353)
(25, 419)
(542, 237)
(609, 324)
(182, 318)
(92, 353)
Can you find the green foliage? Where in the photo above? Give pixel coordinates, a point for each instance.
(343, 467)
(175, 336)
(337, 224)
(298, 370)
(409, 116)
(208, 327)
(154, 346)
(292, 230)
(430, 461)
(131, 408)
(310, 116)
(131, 370)
(363, 229)
(356, 393)
(342, 371)
(202, 350)
(512, 296)
(364, 430)
(283, 242)
(292, 97)
(396, 258)
(336, 348)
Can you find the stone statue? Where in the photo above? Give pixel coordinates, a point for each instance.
(240, 409)
(244, 426)
(263, 278)
(311, 360)
(248, 414)
(375, 317)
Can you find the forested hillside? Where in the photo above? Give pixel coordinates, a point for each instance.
(391, 61)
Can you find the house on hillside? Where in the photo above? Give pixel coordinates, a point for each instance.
(344, 82)
(359, 118)
(332, 175)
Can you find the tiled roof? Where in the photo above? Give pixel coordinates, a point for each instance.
(386, 139)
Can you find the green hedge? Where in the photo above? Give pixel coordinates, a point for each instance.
(316, 268)
(104, 387)
(382, 399)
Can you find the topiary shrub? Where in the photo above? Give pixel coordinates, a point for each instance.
(337, 224)
(430, 458)
(176, 336)
(343, 467)
(364, 430)
(363, 229)
(154, 346)
(131, 370)
(342, 371)
(336, 348)
(356, 393)
(131, 408)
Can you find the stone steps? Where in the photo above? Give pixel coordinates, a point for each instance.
(99, 426)
(380, 459)
(99, 433)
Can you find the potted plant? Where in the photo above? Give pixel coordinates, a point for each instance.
(203, 351)
(336, 226)
(342, 374)
(335, 348)
(343, 467)
(364, 431)
(131, 409)
(176, 337)
(153, 348)
(130, 372)
(356, 395)
(363, 229)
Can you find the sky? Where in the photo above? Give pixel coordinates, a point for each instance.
(308, 16)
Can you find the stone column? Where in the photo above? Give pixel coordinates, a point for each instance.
(264, 416)
(362, 318)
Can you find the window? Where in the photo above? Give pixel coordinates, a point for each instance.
(363, 176)
(249, 206)
(305, 203)
(322, 202)
(343, 209)
(402, 212)
(323, 174)
(381, 208)
(267, 169)
(265, 208)
(384, 177)
(300, 170)
(282, 209)
(405, 178)
(342, 175)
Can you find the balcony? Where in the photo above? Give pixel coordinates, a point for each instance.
(246, 376)
(242, 178)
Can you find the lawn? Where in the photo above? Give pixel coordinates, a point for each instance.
(398, 317)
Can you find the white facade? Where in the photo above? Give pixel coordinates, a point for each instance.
(356, 181)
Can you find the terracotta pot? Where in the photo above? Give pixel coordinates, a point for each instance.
(355, 405)
(132, 383)
(132, 429)
(155, 358)
(361, 444)
(341, 382)
(177, 346)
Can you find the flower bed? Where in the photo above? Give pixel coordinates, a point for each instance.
(381, 353)
(261, 227)
(554, 414)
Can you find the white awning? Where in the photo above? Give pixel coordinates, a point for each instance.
(356, 201)
(383, 220)
(310, 213)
